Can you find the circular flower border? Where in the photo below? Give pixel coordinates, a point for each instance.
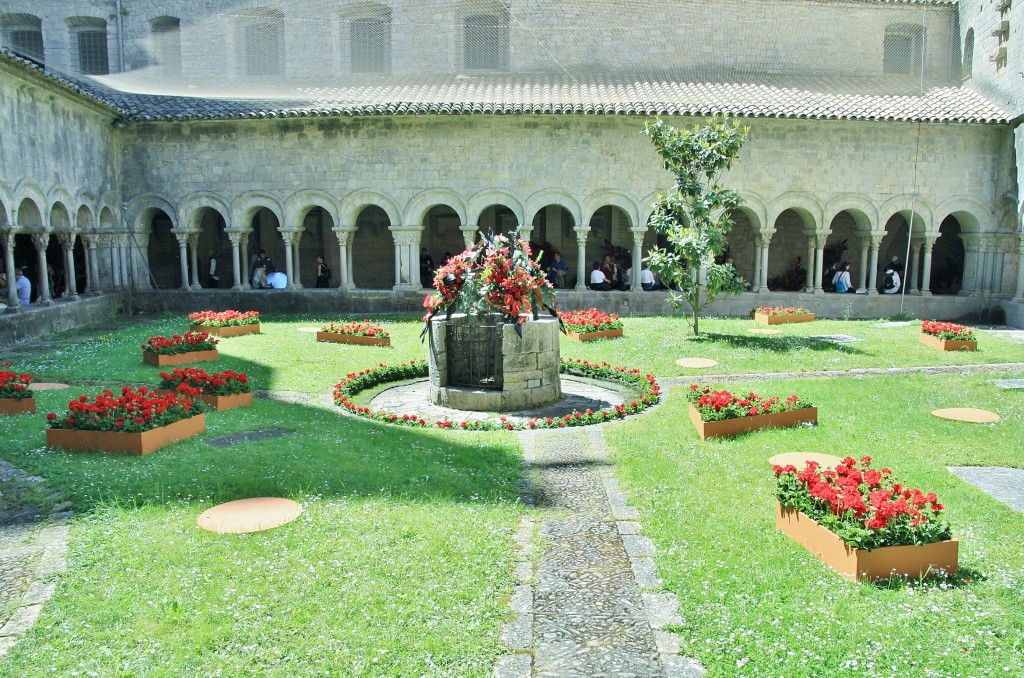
(646, 384)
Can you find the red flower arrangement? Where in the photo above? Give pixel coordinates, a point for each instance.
(718, 405)
(359, 329)
(224, 318)
(781, 310)
(134, 411)
(191, 382)
(354, 382)
(498, 275)
(945, 330)
(590, 320)
(862, 505)
(14, 385)
(178, 343)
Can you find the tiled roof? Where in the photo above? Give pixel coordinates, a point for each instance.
(544, 94)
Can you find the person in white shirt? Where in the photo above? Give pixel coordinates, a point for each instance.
(841, 280)
(891, 282)
(277, 280)
(597, 279)
(646, 279)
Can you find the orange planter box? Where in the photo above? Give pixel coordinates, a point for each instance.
(158, 360)
(227, 331)
(948, 344)
(727, 428)
(591, 336)
(220, 403)
(855, 563)
(356, 339)
(18, 405)
(129, 443)
(783, 319)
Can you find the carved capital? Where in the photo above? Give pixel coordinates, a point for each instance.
(406, 237)
(193, 240)
(41, 240)
(67, 240)
(345, 235)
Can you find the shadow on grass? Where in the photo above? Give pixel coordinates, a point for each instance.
(964, 577)
(777, 344)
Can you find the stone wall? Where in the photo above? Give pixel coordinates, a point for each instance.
(40, 322)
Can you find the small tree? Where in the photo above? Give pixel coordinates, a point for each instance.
(694, 216)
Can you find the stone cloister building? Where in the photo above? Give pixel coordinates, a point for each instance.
(134, 143)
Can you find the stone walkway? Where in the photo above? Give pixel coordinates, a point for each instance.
(1004, 484)
(591, 604)
(856, 372)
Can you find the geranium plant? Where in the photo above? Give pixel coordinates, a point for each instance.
(946, 330)
(14, 385)
(590, 320)
(498, 275)
(191, 382)
(180, 343)
(224, 318)
(862, 505)
(715, 405)
(781, 310)
(359, 329)
(133, 411)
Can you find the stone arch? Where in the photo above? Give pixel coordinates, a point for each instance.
(792, 217)
(417, 208)
(609, 234)
(107, 222)
(486, 198)
(862, 211)
(84, 221)
(245, 207)
(804, 204)
(614, 198)
(317, 237)
(190, 211)
(31, 192)
(354, 203)
(88, 201)
(755, 209)
(742, 247)
(948, 258)
(142, 208)
(299, 204)
(974, 215)
(441, 236)
(59, 218)
(29, 218)
(373, 249)
(905, 205)
(553, 196)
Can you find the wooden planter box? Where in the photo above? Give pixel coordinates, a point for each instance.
(353, 339)
(129, 443)
(18, 405)
(220, 403)
(733, 427)
(227, 331)
(855, 563)
(591, 336)
(948, 344)
(783, 319)
(158, 360)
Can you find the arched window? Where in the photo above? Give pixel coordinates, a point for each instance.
(903, 49)
(370, 43)
(89, 45)
(167, 43)
(23, 33)
(260, 42)
(485, 43)
(968, 62)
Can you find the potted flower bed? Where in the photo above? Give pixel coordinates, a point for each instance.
(15, 395)
(948, 336)
(360, 333)
(225, 323)
(137, 421)
(591, 324)
(862, 523)
(191, 347)
(778, 315)
(720, 414)
(220, 390)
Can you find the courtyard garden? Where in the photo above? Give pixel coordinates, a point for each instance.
(401, 564)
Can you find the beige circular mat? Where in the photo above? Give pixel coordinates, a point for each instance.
(47, 386)
(696, 362)
(763, 330)
(249, 515)
(968, 414)
(800, 459)
(309, 330)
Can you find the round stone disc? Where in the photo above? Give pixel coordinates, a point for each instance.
(249, 515)
(800, 459)
(47, 386)
(309, 330)
(968, 414)
(763, 330)
(696, 362)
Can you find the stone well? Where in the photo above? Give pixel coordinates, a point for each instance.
(483, 365)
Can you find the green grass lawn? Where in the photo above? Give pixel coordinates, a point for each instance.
(400, 565)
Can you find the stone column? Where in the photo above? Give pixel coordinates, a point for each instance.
(343, 234)
(926, 267)
(1018, 295)
(122, 251)
(969, 284)
(985, 267)
(115, 261)
(469, 233)
(638, 259)
(67, 243)
(94, 284)
(41, 240)
(193, 246)
(812, 245)
(236, 267)
(912, 271)
(819, 262)
(755, 284)
(876, 242)
(13, 306)
(581, 258)
(407, 272)
(863, 273)
(183, 257)
(766, 241)
(297, 267)
(243, 256)
(289, 259)
(140, 261)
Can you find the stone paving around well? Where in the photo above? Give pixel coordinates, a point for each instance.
(1005, 484)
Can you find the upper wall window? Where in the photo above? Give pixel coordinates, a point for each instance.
(260, 42)
(903, 49)
(167, 43)
(968, 61)
(485, 43)
(89, 45)
(370, 42)
(23, 33)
